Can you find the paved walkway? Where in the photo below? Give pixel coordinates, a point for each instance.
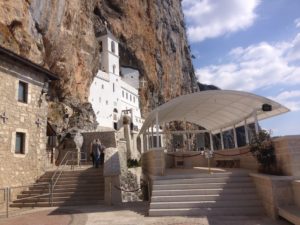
(127, 214)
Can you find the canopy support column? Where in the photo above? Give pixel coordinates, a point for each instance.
(255, 121)
(157, 129)
(211, 142)
(147, 139)
(222, 139)
(235, 137)
(246, 132)
(152, 137)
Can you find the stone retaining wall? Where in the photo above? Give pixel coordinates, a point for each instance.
(188, 159)
(247, 161)
(274, 191)
(287, 151)
(296, 189)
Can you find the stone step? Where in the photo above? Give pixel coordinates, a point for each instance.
(79, 182)
(290, 213)
(204, 191)
(66, 193)
(73, 178)
(215, 197)
(70, 185)
(76, 173)
(201, 185)
(204, 180)
(62, 198)
(68, 189)
(206, 211)
(58, 203)
(202, 175)
(204, 204)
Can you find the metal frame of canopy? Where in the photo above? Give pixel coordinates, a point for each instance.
(215, 110)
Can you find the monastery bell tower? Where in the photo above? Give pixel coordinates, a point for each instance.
(109, 51)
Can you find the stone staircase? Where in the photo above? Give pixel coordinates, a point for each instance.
(219, 194)
(79, 187)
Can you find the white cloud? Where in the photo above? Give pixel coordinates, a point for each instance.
(297, 22)
(210, 18)
(291, 99)
(293, 53)
(256, 66)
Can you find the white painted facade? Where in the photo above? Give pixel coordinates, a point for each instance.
(110, 95)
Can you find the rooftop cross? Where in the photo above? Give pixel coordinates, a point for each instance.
(143, 82)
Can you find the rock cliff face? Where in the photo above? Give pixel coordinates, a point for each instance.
(61, 36)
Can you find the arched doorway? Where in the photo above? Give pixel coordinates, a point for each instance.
(115, 118)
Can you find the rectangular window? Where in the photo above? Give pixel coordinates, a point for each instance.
(113, 87)
(22, 92)
(126, 95)
(20, 143)
(122, 93)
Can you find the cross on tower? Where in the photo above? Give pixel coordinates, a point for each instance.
(4, 117)
(38, 122)
(143, 82)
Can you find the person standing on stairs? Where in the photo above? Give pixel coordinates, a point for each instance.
(102, 150)
(96, 152)
(91, 152)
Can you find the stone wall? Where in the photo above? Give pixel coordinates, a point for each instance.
(189, 161)
(296, 189)
(131, 184)
(21, 169)
(274, 191)
(153, 162)
(247, 161)
(108, 139)
(287, 151)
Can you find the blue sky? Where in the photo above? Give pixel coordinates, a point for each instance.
(251, 45)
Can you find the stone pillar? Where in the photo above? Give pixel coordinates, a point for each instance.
(112, 173)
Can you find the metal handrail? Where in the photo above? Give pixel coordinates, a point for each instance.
(51, 184)
(83, 158)
(7, 194)
(61, 166)
(4, 195)
(30, 185)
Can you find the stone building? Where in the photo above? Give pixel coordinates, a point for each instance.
(23, 119)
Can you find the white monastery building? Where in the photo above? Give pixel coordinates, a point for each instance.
(114, 93)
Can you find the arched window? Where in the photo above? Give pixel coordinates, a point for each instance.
(115, 118)
(100, 46)
(113, 47)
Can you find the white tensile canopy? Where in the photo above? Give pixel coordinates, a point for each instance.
(214, 110)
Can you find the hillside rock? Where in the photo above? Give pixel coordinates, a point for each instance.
(61, 35)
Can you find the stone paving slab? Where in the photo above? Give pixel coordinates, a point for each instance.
(126, 214)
